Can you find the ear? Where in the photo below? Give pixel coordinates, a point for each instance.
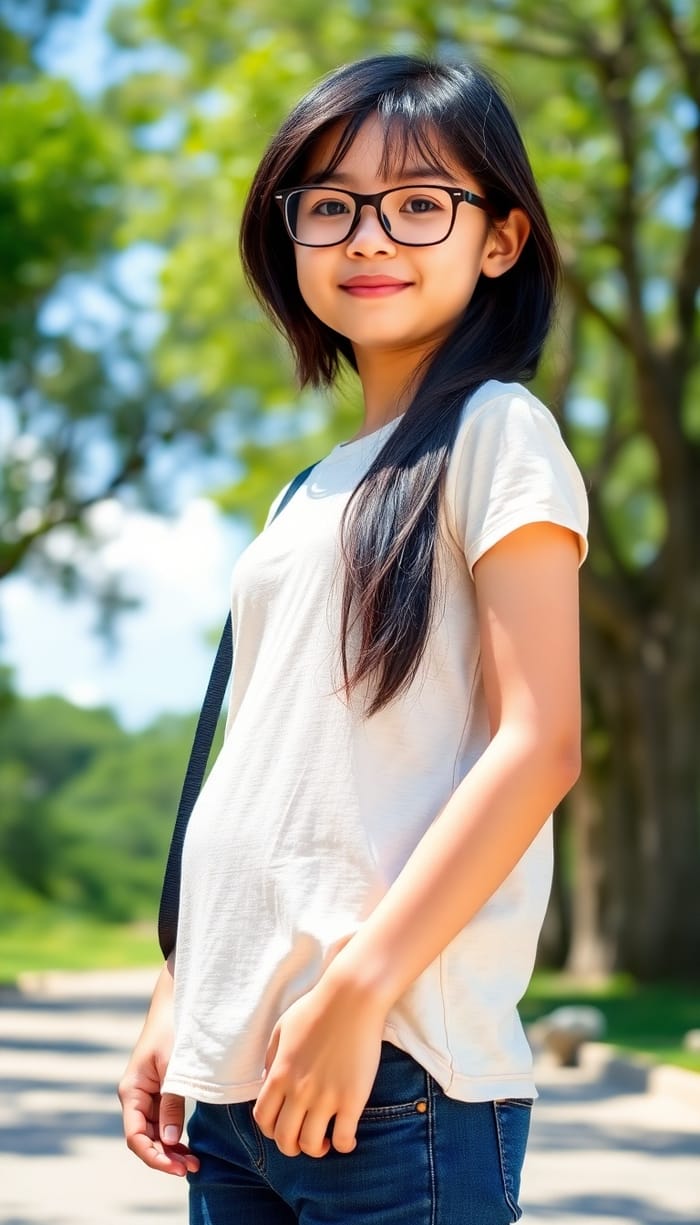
(505, 242)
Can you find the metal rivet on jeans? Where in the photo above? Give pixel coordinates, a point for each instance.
(421, 1106)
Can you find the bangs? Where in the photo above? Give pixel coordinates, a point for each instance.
(411, 139)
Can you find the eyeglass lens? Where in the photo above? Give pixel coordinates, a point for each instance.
(322, 216)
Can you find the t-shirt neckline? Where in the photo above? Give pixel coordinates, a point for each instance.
(357, 446)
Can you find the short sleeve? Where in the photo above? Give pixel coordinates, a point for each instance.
(511, 466)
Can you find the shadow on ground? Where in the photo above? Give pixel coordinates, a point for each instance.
(592, 1208)
(57, 1135)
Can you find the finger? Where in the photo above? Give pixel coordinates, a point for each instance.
(344, 1131)
(287, 1128)
(313, 1140)
(267, 1108)
(177, 1161)
(171, 1118)
(140, 1119)
(139, 1111)
(142, 1140)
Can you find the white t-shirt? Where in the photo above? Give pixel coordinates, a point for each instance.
(310, 810)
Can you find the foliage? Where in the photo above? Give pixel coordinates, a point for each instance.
(49, 940)
(650, 1018)
(58, 164)
(82, 417)
(165, 158)
(610, 103)
(86, 810)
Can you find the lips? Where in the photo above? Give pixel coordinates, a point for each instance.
(373, 286)
(372, 282)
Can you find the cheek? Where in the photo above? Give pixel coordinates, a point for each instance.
(313, 277)
(454, 274)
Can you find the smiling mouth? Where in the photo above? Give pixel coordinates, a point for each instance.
(373, 287)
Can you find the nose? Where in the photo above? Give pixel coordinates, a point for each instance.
(369, 237)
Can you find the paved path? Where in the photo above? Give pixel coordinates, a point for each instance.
(597, 1156)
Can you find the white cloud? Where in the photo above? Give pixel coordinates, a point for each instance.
(184, 560)
(84, 693)
(179, 568)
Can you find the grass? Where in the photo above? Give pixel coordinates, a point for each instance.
(645, 1018)
(73, 943)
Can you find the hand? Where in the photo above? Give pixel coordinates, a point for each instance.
(153, 1121)
(321, 1061)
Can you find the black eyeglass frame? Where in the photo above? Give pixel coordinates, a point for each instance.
(458, 195)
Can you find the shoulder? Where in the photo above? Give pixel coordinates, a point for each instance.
(510, 465)
(497, 404)
(504, 427)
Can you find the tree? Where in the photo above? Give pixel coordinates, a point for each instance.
(45, 744)
(115, 833)
(610, 103)
(634, 96)
(82, 417)
(86, 809)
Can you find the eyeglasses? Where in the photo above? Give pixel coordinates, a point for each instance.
(411, 216)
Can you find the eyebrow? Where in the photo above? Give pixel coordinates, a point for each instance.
(413, 172)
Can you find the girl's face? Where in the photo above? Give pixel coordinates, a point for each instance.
(414, 295)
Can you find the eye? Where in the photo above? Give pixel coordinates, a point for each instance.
(330, 208)
(421, 204)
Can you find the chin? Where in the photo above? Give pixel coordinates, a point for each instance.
(384, 338)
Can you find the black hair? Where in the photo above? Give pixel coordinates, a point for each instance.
(389, 526)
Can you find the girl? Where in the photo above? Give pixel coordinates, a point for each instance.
(367, 867)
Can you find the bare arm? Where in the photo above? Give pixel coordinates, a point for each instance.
(528, 610)
(527, 593)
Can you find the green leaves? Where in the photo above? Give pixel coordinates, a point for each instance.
(610, 117)
(86, 809)
(609, 102)
(58, 171)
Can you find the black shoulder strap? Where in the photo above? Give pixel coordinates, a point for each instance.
(199, 755)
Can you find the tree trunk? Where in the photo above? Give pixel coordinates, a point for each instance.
(635, 809)
(555, 934)
(590, 953)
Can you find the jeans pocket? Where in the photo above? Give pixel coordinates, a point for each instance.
(512, 1115)
(400, 1087)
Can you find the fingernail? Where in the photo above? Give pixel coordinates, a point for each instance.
(171, 1134)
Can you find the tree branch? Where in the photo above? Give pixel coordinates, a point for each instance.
(604, 604)
(600, 532)
(689, 273)
(616, 96)
(568, 360)
(582, 295)
(524, 46)
(688, 56)
(607, 600)
(688, 282)
(13, 553)
(658, 401)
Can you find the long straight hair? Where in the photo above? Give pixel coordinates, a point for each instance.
(389, 526)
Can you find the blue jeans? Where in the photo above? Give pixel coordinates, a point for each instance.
(422, 1158)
